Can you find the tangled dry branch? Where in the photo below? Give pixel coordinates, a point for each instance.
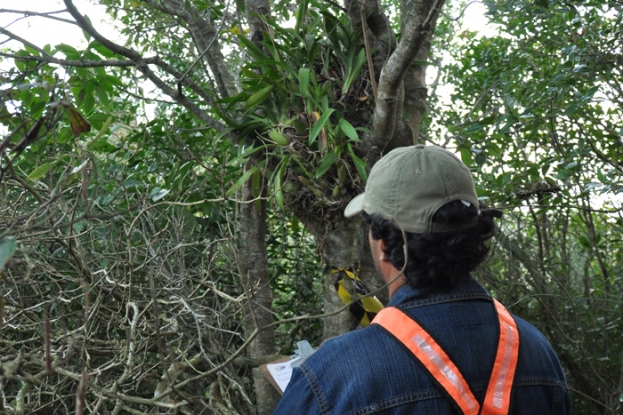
(112, 311)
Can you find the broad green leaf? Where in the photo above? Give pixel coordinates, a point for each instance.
(100, 133)
(582, 69)
(278, 180)
(300, 15)
(359, 164)
(69, 51)
(8, 245)
(241, 181)
(132, 183)
(466, 156)
(330, 26)
(32, 51)
(590, 186)
(245, 154)
(590, 92)
(301, 166)
(158, 193)
(272, 63)
(327, 162)
(354, 70)
(79, 226)
(303, 80)
(41, 171)
(349, 130)
(571, 109)
(258, 97)
(422, 63)
(319, 125)
(474, 127)
(254, 51)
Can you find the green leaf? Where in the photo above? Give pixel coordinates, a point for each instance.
(590, 92)
(245, 154)
(354, 70)
(319, 125)
(474, 127)
(32, 51)
(303, 80)
(278, 180)
(254, 51)
(69, 51)
(100, 133)
(590, 186)
(300, 15)
(584, 242)
(422, 63)
(466, 156)
(41, 171)
(582, 69)
(359, 164)
(271, 63)
(258, 97)
(571, 109)
(301, 166)
(157, 193)
(349, 130)
(8, 245)
(241, 181)
(327, 162)
(130, 183)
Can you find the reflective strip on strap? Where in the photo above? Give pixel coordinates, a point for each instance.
(497, 399)
(431, 355)
(447, 371)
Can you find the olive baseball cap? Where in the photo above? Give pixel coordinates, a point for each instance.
(409, 184)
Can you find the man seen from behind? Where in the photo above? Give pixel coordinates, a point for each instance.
(443, 345)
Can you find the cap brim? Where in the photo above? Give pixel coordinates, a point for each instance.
(355, 207)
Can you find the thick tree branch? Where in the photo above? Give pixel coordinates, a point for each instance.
(119, 63)
(23, 41)
(391, 80)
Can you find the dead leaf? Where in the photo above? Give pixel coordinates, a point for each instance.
(78, 123)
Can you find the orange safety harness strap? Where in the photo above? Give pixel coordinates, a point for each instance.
(427, 351)
(498, 397)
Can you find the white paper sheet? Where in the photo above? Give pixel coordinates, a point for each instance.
(281, 372)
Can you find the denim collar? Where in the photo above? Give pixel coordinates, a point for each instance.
(407, 297)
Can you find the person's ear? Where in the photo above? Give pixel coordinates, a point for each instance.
(383, 257)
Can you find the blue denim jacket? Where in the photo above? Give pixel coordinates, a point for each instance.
(367, 372)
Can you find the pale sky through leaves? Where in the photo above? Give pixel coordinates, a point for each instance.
(42, 31)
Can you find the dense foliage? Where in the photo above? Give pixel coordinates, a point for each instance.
(123, 169)
(537, 111)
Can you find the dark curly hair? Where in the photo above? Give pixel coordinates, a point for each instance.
(438, 260)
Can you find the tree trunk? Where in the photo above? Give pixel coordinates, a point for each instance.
(415, 80)
(339, 251)
(252, 260)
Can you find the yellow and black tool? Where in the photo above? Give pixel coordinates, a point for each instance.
(366, 306)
